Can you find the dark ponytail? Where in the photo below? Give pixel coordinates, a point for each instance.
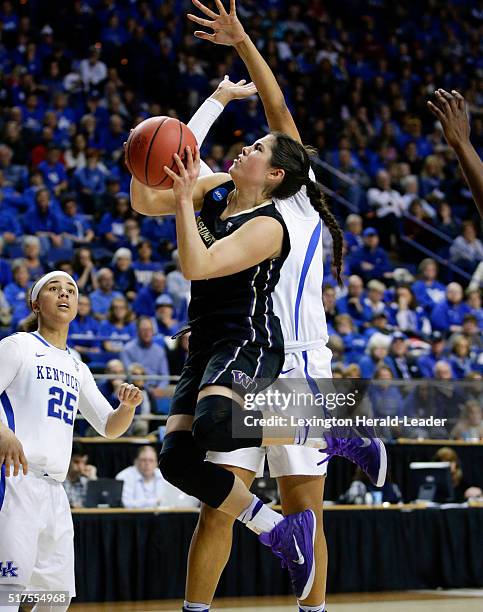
(293, 157)
(318, 202)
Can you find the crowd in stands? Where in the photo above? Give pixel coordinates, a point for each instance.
(76, 76)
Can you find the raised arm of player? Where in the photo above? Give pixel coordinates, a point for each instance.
(450, 109)
(11, 450)
(252, 243)
(152, 202)
(227, 30)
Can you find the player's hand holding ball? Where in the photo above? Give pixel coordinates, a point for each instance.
(11, 452)
(130, 395)
(184, 182)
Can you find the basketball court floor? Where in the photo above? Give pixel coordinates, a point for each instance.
(413, 601)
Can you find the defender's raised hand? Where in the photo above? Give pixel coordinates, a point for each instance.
(227, 30)
(450, 109)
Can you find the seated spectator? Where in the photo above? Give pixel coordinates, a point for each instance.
(386, 399)
(385, 206)
(140, 427)
(422, 402)
(10, 228)
(415, 228)
(431, 176)
(124, 276)
(375, 296)
(361, 486)
(376, 355)
(84, 329)
(445, 221)
(378, 325)
(469, 426)
(5, 313)
(151, 356)
(90, 181)
(447, 315)
(371, 261)
(144, 267)
(328, 301)
(119, 326)
(472, 332)
(42, 221)
(75, 156)
(359, 181)
(437, 353)
(92, 70)
(463, 490)
(53, 170)
(132, 235)
(428, 290)
(76, 227)
(402, 366)
(79, 474)
(410, 185)
(102, 297)
(31, 253)
(85, 274)
(110, 387)
(460, 358)
(161, 231)
(167, 325)
(176, 284)
(466, 250)
(16, 292)
(177, 356)
(145, 487)
(354, 343)
(5, 269)
(145, 302)
(353, 233)
(353, 303)
(111, 225)
(473, 300)
(407, 315)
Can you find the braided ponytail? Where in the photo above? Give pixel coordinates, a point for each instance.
(318, 202)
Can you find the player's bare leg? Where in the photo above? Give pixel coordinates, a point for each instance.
(210, 547)
(299, 493)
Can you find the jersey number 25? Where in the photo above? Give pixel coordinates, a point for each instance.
(61, 405)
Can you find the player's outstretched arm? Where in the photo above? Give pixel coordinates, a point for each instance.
(227, 30)
(450, 109)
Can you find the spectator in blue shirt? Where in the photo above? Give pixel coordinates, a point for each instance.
(370, 261)
(84, 329)
(401, 363)
(144, 267)
(85, 272)
(10, 228)
(166, 323)
(102, 297)
(119, 326)
(354, 343)
(111, 225)
(114, 138)
(407, 315)
(124, 276)
(428, 290)
(160, 231)
(447, 315)
(353, 303)
(31, 252)
(16, 292)
(109, 388)
(353, 233)
(5, 269)
(376, 355)
(145, 303)
(460, 358)
(427, 362)
(76, 227)
(42, 221)
(378, 324)
(90, 180)
(53, 170)
(386, 399)
(150, 355)
(375, 297)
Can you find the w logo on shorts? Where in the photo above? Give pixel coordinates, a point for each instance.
(8, 570)
(242, 379)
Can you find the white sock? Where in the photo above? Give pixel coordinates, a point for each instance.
(195, 607)
(320, 608)
(259, 517)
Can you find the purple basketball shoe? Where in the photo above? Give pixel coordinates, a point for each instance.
(293, 541)
(367, 453)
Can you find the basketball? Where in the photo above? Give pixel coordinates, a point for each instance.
(151, 146)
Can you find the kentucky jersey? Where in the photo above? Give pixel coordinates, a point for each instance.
(41, 389)
(238, 305)
(297, 299)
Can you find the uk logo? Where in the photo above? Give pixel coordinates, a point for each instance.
(219, 194)
(7, 570)
(242, 379)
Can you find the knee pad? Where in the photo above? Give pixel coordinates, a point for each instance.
(217, 419)
(183, 464)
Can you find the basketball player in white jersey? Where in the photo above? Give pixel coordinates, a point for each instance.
(42, 385)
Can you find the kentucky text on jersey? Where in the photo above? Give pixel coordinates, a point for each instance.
(48, 373)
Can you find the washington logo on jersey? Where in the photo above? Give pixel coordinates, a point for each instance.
(8, 570)
(204, 232)
(240, 378)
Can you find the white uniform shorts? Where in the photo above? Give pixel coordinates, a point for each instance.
(285, 460)
(36, 535)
